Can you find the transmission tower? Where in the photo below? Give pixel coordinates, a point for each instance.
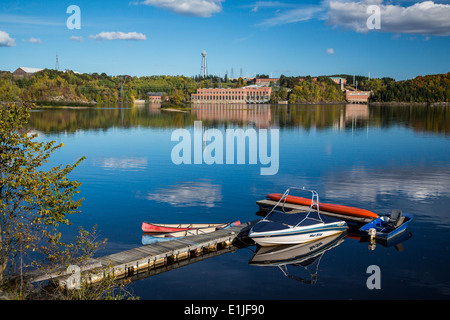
(57, 63)
(204, 69)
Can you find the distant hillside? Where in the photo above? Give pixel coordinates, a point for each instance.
(58, 87)
(425, 89)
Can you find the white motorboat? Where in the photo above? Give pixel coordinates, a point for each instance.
(280, 227)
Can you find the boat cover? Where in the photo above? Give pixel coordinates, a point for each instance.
(279, 221)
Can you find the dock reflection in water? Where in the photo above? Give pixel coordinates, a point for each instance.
(304, 255)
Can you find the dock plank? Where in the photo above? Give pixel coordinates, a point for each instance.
(127, 255)
(173, 245)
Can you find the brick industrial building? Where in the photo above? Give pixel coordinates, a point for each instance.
(156, 97)
(249, 94)
(357, 96)
(266, 81)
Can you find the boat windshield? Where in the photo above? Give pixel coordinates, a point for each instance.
(290, 218)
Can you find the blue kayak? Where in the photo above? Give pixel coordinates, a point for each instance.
(388, 226)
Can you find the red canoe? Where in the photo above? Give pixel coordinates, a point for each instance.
(158, 227)
(335, 208)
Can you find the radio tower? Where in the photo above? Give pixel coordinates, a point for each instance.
(57, 63)
(204, 69)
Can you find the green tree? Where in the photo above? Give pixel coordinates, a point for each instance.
(282, 93)
(292, 98)
(33, 202)
(176, 96)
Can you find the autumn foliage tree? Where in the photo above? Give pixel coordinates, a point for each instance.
(33, 202)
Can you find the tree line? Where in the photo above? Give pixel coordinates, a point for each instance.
(66, 87)
(424, 89)
(52, 86)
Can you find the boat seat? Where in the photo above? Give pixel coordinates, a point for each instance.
(399, 221)
(395, 218)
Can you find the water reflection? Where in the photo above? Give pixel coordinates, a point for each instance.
(396, 242)
(189, 194)
(339, 117)
(417, 184)
(306, 255)
(71, 120)
(258, 116)
(127, 163)
(356, 112)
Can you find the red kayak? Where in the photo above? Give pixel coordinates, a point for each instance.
(174, 227)
(335, 208)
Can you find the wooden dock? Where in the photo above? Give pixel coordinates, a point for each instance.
(150, 257)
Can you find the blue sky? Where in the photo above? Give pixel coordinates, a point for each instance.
(155, 37)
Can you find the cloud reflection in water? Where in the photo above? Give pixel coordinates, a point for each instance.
(189, 194)
(417, 184)
(126, 163)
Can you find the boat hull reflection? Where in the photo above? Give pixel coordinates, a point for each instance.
(300, 255)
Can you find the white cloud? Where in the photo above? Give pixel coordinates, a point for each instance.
(119, 36)
(198, 8)
(266, 4)
(298, 14)
(75, 38)
(6, 40)
(426, 18)
(35, 40)
(330, 50)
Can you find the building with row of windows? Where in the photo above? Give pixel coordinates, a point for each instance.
(266, 81)
(249, 94)
(157, 97)
(357, 96)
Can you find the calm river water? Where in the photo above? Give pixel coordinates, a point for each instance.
(377, 158)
